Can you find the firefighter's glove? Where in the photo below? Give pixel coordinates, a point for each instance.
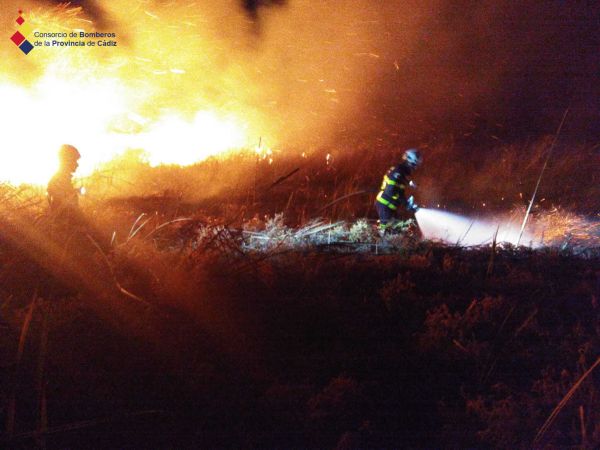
(411, 205)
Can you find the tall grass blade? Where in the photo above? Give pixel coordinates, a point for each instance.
(490, 268)
(541, 175)
(562, 403)
(114, 276)
(134, 225)
(41, 381)
(12, 398)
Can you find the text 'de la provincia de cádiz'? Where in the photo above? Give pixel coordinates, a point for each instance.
(74, 39)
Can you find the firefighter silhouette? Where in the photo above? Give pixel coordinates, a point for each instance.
(63, 197)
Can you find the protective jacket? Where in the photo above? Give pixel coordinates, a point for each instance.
(395, 181)
(62, 195)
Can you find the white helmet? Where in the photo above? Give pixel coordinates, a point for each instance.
(412, 157)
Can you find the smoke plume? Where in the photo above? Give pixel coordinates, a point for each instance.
(318, 70)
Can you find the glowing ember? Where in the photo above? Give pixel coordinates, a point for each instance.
(264, 152)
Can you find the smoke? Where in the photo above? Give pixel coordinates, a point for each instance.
(318, 70)
(301, 81)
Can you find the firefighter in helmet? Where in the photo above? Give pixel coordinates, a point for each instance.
(392, 192)
(63, 197)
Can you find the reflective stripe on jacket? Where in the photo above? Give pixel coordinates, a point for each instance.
(391, 193)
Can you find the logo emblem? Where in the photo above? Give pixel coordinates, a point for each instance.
(20, 36)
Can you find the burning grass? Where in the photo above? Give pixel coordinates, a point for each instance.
(342, 180)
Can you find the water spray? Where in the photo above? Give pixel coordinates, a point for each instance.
(465, 231)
